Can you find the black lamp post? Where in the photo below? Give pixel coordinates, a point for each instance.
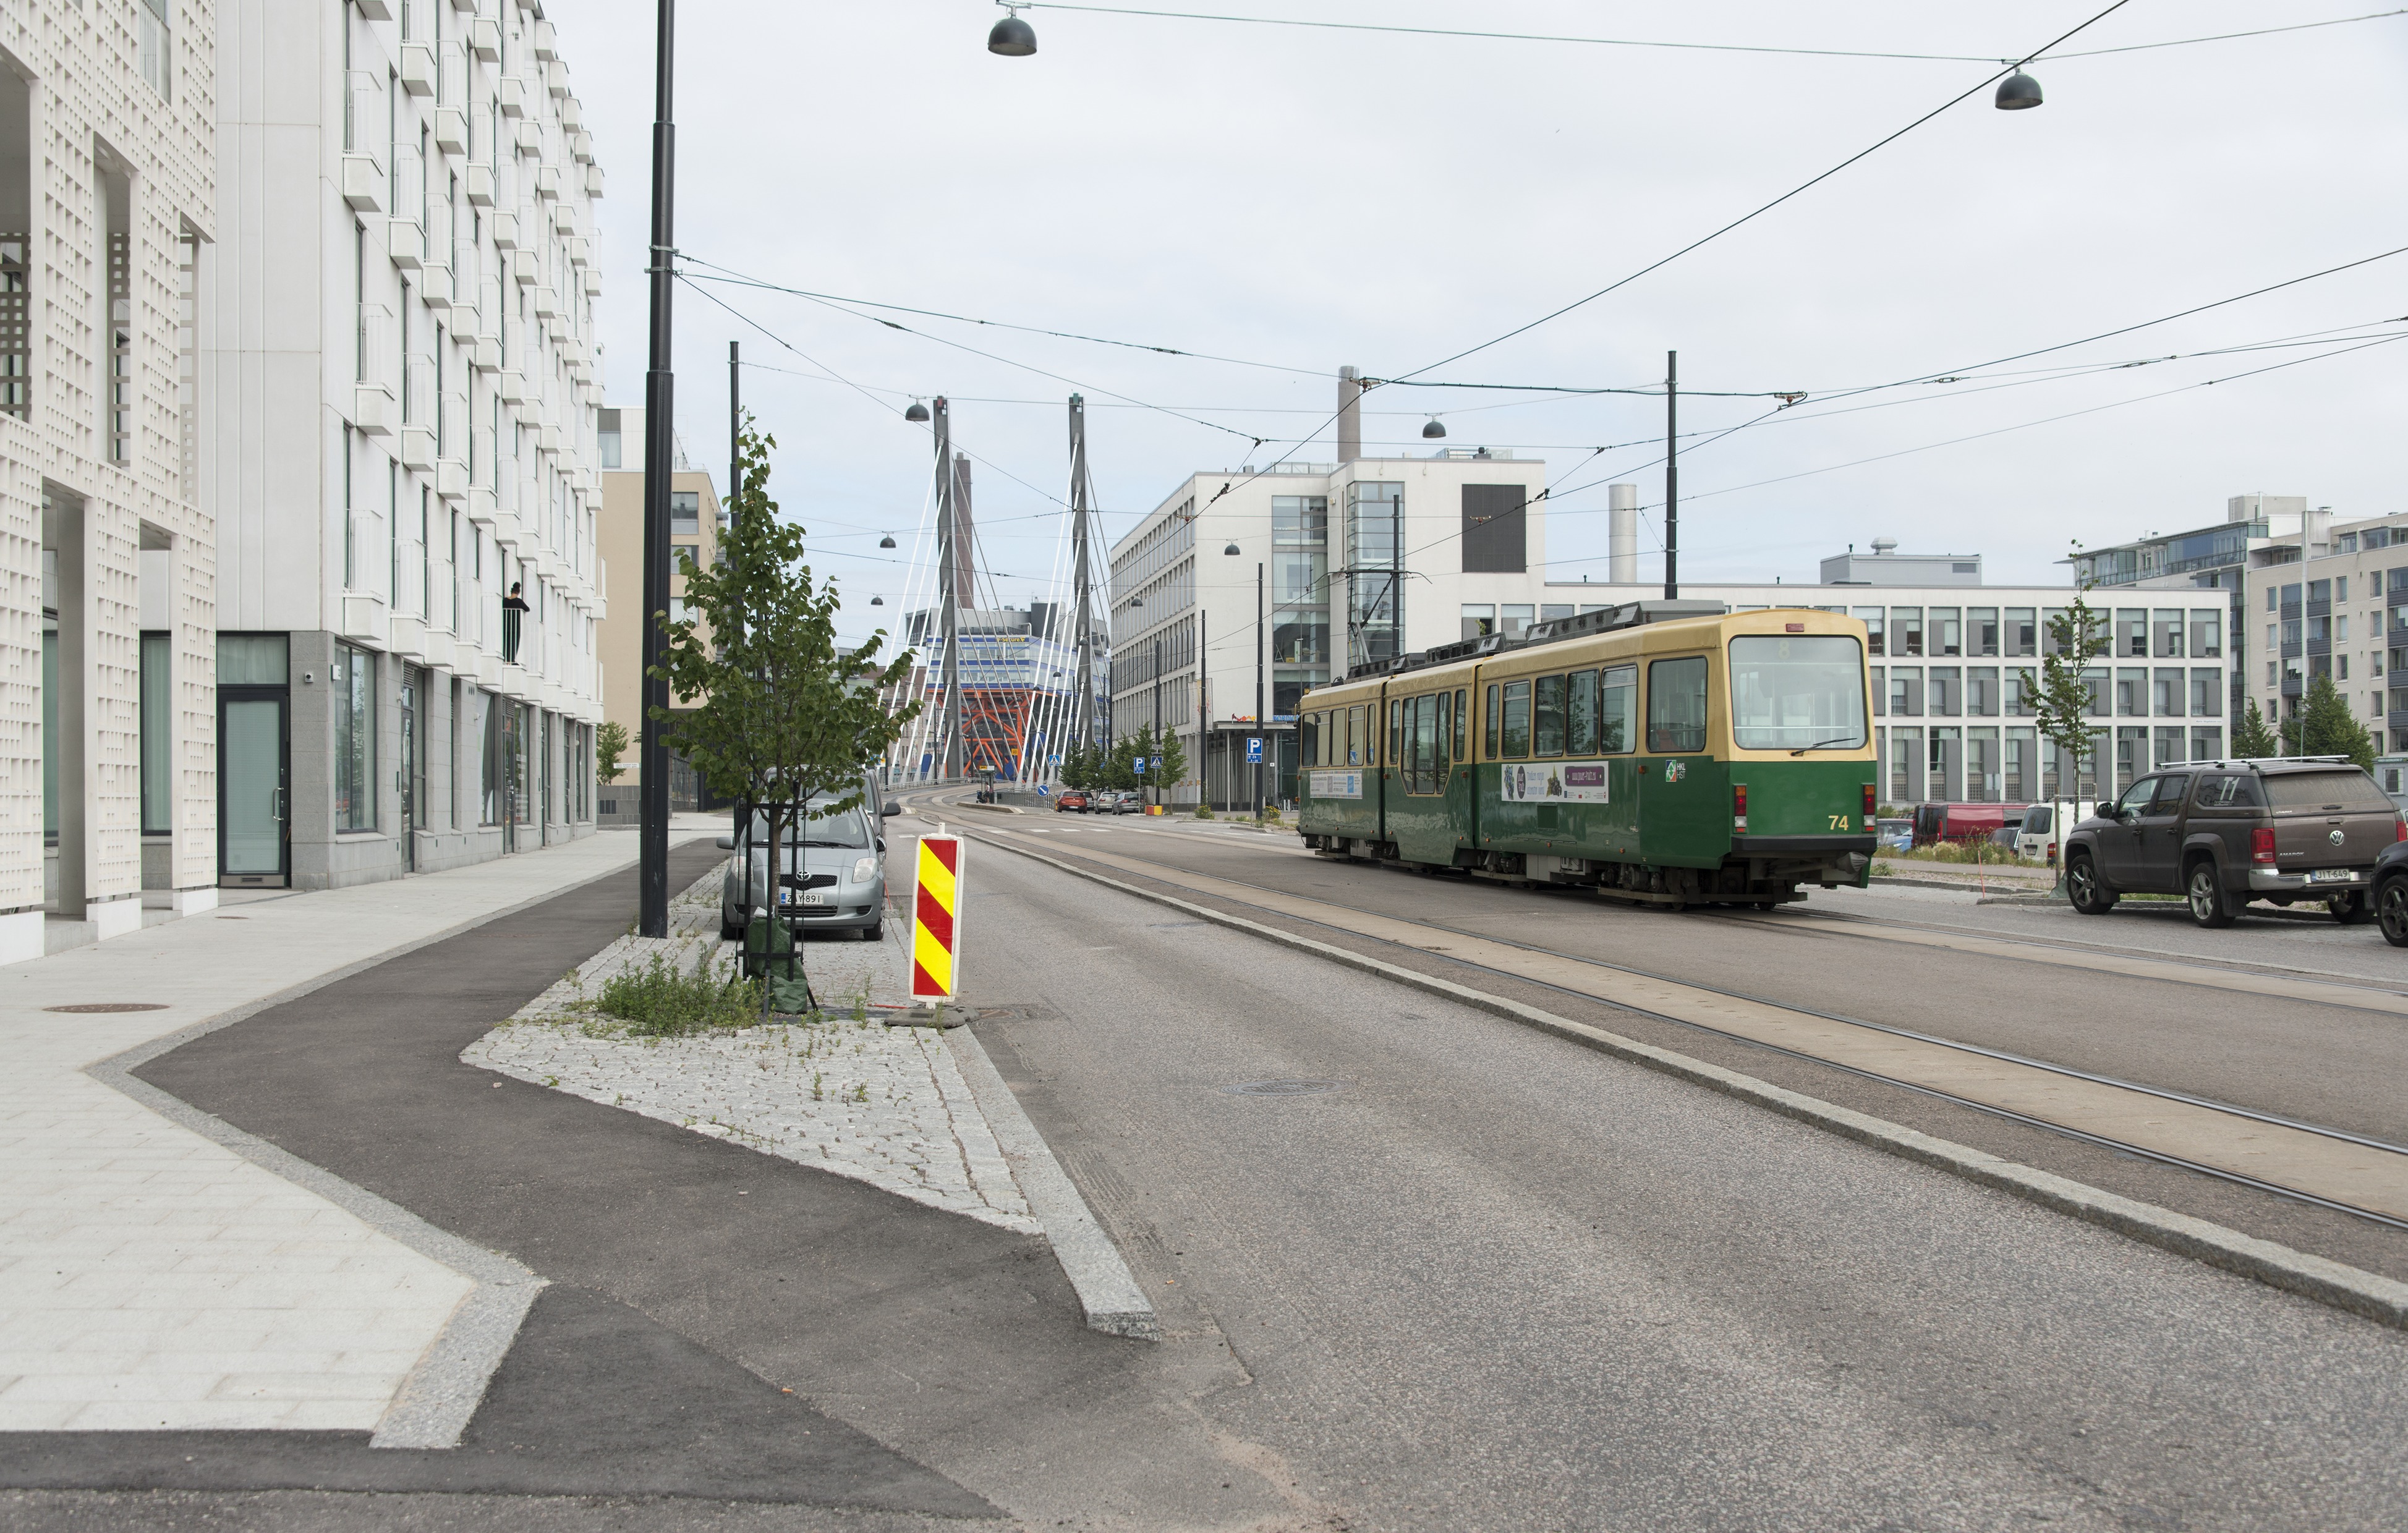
(654, 752)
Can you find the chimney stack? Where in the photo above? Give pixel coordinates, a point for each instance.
(1350, 416)
(1622, 534)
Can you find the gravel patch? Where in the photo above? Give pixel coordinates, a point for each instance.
(840, 1091)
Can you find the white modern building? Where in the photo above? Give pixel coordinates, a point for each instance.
(108, 557)
(1950, 667)
(399, 387)
(1334, 565)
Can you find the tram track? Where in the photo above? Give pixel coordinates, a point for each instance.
(2325, 1167)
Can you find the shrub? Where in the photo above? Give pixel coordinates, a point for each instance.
(658, 999)
(1203, 811)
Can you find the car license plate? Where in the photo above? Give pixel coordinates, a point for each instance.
(806, 897)
(2332, 875)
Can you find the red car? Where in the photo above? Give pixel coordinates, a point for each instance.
(1070, 799)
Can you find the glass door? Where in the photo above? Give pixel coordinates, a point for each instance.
(411, 775)
(253, 844)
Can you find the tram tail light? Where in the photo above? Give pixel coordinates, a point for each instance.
(2261, 848)
(1870, 810)
(1739, 806)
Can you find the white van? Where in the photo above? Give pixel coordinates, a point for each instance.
(2038, 836)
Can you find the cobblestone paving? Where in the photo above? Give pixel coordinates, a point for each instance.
(842, 1092)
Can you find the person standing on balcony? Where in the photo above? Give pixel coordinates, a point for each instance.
(514, 610)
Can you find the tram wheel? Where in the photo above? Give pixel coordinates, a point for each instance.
(1768, 904)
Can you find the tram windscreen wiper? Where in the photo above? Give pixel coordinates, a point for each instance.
(1845, 739)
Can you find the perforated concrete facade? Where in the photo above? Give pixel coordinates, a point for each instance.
(105, 218)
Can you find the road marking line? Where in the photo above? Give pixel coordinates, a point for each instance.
(2367, 1295)
(2315, 1164)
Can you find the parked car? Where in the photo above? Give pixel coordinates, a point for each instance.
(1070, 801)
(1894, 835)
(2224, 833)
(834, 858)
(2036, 838)
(1128, 803)
(2391, 893)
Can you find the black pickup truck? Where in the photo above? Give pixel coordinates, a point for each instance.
(2223, 832)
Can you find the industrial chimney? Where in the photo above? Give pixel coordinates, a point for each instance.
(1622, 534)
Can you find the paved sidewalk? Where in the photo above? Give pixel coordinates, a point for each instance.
(154, 1276)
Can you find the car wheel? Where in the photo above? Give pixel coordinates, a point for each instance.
(729, 930)
(2391, 911)
(2205, 891)
(2349, 908)
(2085, 891)
(875, 931)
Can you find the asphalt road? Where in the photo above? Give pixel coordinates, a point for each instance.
(2333, 1066)
(1491, 1280)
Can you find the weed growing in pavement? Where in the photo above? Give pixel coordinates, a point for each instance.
(1884, 870)
(658, 999)
(1203, 811)
(815, 1085)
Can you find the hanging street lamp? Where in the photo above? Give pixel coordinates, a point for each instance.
(2018, 92)
(1012, 38)
(1433, 430)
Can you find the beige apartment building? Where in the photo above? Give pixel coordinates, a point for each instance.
(693, 530)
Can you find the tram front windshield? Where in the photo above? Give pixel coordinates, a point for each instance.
(1797, 691)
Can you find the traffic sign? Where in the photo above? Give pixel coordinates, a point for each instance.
(936, 928)
(1254, 749)
(1141, 764)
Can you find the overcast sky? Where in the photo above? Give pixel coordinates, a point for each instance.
(1307, 198)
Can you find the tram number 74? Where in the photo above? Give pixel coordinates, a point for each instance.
(1838, 822)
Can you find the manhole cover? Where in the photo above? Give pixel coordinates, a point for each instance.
(110, 1006)
(1283, 1088)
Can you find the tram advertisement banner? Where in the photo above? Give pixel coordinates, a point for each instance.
(1337, 784)
(1554, 782)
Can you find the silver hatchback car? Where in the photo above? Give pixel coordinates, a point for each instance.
(836, 871)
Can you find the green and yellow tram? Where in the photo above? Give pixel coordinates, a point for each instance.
(1667, 752)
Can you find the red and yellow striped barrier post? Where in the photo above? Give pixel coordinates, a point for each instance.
(935, 924)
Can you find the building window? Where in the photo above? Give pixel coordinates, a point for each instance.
(156, 45)
(2022, 632)
(2165, 633)
(685, 512)
(158, 735)
(353, 678)
(1479, 619)
(1872, 618)
(2166, 696)
(1906, 692)
(1906, 630)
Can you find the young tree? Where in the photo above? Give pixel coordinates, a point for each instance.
(2059, 694)
(2253, 738)
(2327, 727)
(1118, 771)
(1172, 767)
(778, 717)
(609, 744)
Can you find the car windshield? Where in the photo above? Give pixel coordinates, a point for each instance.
(1797, 691)
(2351, 790)
(847, 829)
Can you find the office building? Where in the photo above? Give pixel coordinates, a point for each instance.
(696, 519)
(399, 381)
(2341, 611)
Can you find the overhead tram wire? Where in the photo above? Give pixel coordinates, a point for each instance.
(737, 279)
(1765, 208)
(1701, 47)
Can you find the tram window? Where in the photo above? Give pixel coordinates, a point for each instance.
(1798, 694)
(1517, 719)
(1445, 727)
(1493, 716)
(1353, 737)
(1396, 733)
(1547, 715)
(1462, 724)
(1676, 703)
(1618, 715)
(1423, 760)
(1309, 748)
(1580, 715)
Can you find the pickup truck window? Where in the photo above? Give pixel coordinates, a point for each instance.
(2351, 790)
(2171, 790)
(2136, 798)
(2230, 793)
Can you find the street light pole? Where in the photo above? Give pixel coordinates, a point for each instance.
(1262, 732)
(1672, 475)
(1153, 778)
(652, 883)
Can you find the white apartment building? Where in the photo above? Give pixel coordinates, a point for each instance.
(1950, 662)
(108, 559)
(400, 383)
(1334, 566)
(2334, 602)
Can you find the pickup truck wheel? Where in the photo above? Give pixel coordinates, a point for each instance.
(2349, 908)
(2083, 888)
(2391, 911)
(2205, 891)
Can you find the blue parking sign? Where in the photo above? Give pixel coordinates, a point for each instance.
(1141, 764)
(1254, 749)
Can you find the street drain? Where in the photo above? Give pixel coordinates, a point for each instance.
(110, 1006)
(1284, 1088)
